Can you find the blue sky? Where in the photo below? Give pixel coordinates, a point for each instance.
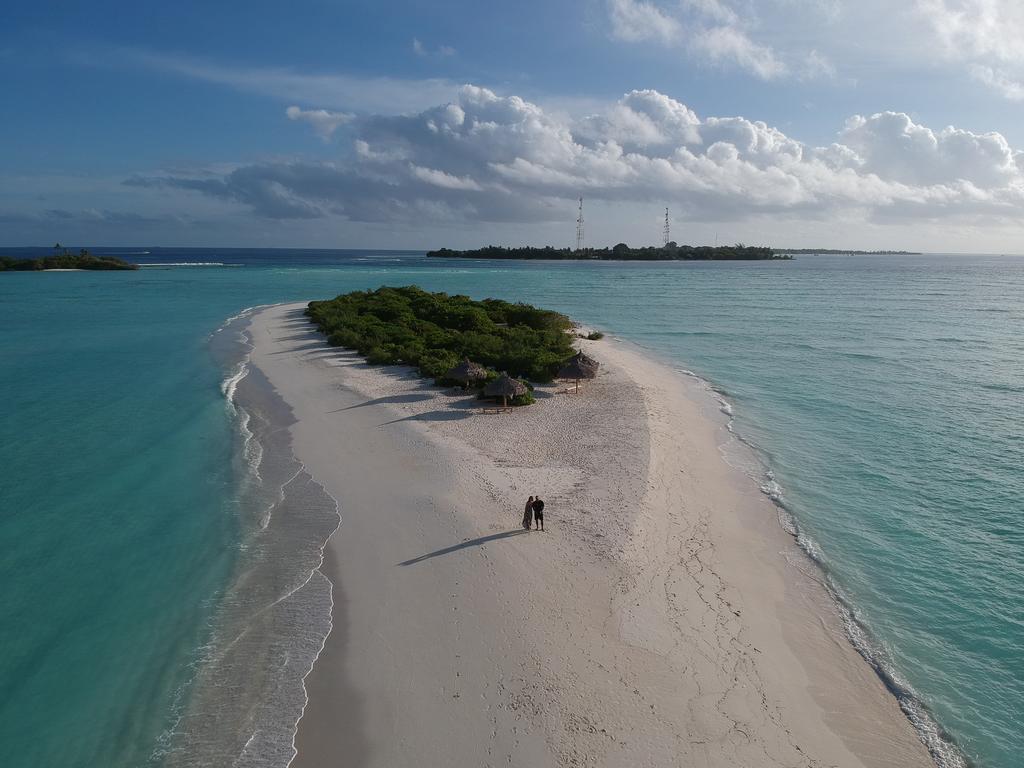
(371, 124)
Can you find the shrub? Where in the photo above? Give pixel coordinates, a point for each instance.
(433, 331)
(434, 364)
(524, 399)
(594, 336)
(385, 354)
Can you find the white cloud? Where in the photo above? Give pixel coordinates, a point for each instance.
(986, 35)
(442, 51)
(715, 10)
(816, 65)
(730, 45)
(442, 179)
(999, 81)
(636, 21)
(842, 40)
(493, 158)
(710, 29)
(385, 95)
(324, 123)
(978, 28)
(891, 144)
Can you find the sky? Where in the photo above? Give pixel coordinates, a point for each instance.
(327, 124)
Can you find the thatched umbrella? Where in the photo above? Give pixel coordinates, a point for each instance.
(505, 387)
(579, 367)
(467, 372)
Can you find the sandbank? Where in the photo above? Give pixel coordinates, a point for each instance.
(664, 618)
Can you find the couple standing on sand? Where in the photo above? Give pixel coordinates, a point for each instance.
(535, 511)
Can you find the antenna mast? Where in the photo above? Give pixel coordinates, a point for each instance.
(579, 228)
(665, 233)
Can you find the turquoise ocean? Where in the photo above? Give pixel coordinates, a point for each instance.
(882, 395)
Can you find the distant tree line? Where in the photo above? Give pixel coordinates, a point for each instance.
(63, 258)
(620, 252)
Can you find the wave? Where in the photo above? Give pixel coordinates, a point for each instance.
(939, 743)
(249, 691)
(230, 383)
(190, 264)
(238, 316)
(1002, 387)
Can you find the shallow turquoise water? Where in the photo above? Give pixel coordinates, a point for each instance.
(885, 395)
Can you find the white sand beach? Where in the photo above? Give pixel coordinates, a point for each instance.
(664, 618)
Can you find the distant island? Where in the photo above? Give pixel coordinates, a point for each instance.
(847, 252)
(622, 252)
(63, 258)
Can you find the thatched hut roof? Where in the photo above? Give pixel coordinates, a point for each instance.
(467, 372)
(578, 367)
(505, 386)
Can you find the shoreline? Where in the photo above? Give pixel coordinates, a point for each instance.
(662, 554)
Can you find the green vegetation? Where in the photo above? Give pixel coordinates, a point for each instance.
(524, 399)
(594, 336)
(434, 331)
(63, 259)
(670, 252)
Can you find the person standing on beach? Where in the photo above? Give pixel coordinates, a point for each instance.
(528, 513)
(538, 512)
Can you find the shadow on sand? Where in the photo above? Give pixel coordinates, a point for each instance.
(431, 416)
(408, 398)
(465, 545)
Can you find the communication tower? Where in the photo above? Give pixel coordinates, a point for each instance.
(579, 228)
(665, 233)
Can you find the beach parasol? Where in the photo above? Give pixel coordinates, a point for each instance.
(467, 372)
(505, 387)
(579, 367)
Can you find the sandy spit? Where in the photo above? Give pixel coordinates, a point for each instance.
(664, 618)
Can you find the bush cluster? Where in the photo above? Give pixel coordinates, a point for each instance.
(594, 336)
(434, 331)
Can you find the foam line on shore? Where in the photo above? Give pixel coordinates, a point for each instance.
(249, 692)
(265, 521)
(323, 643)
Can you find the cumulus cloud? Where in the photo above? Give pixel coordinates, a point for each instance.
(890, 144)
(493, 158)
(324, 122)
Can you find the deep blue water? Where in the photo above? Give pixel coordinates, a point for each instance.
(884, 393)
